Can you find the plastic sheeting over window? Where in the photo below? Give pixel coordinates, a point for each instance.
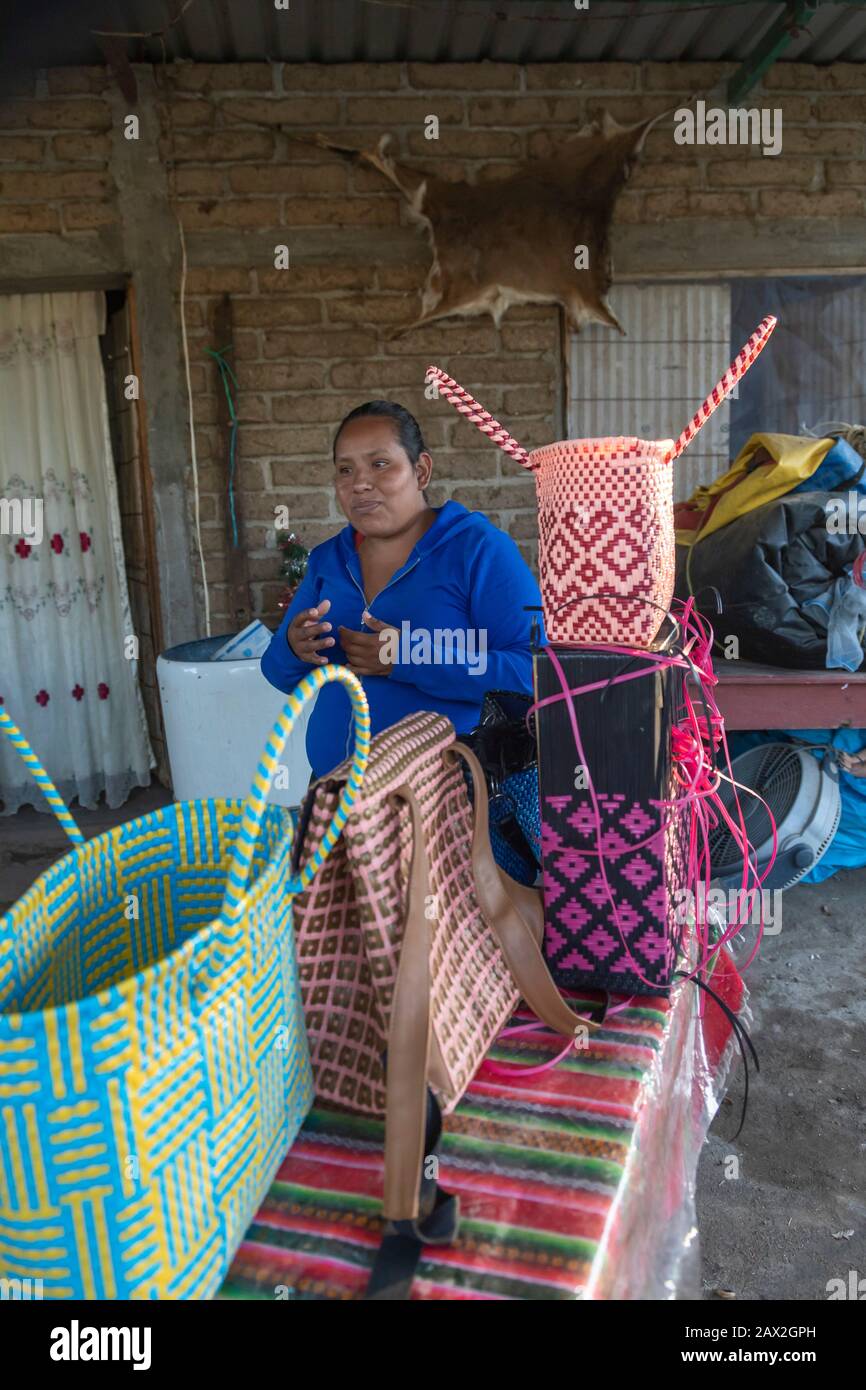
(681, 334)
(815, 371)
(650, 382)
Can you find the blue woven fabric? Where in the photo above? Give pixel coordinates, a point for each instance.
(518, 797)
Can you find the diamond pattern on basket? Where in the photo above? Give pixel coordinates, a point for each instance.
(583, 941)
(605, 517)
(605, 523)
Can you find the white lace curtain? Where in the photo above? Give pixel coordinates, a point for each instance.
(66, 677)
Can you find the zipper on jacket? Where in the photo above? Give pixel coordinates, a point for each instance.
(395, 580)
(350, 728)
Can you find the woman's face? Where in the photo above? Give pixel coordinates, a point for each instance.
(379, 491)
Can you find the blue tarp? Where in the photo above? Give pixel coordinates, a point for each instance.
(839, 466)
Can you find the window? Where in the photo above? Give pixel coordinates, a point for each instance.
(680, 337)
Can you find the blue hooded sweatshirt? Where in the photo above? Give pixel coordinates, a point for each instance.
(464, 573)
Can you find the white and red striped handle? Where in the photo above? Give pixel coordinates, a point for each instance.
(474, 412)
(738, 368)
(468, 406)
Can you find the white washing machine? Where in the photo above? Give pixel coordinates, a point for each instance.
(217, 716)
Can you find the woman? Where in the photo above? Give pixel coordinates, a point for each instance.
(426, 604)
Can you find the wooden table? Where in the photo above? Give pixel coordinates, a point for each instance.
(752, 696)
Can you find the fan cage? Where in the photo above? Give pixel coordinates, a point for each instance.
(773, 772)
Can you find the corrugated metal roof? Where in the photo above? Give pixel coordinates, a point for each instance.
(57, 32)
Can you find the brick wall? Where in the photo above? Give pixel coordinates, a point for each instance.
(312, 342)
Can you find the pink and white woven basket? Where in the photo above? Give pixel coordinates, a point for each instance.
(605, 517)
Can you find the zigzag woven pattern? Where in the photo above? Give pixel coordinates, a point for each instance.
(154, 1067)
(350, 923)
(553, 1177)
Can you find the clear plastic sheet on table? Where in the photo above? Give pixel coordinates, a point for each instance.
(578, 1182)
(652, 1251)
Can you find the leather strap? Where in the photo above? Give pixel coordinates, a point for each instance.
(508, 909)
(409, 1038)
(515, 915)
(398, 1255)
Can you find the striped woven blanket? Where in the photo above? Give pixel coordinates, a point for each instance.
(576, 1183)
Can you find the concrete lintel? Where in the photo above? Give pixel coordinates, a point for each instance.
(737, 246)
(152, 251)
(63, 260)
(373, 245)
(734, 245)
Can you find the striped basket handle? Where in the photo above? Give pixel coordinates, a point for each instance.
(468, 406)
(476, 414)
(738, 368)
(254, 806)
(43, 781)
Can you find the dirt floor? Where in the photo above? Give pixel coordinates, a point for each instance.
(31, 841)
(795, 1217)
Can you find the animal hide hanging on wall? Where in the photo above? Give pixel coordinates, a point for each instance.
(520, 240)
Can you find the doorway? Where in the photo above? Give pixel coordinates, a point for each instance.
(69, 653)
(120, 359)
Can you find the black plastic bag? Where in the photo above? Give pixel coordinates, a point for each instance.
(766, 566)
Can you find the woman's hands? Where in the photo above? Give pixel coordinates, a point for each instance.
(855, 763)
(366, 652)
(307, 635)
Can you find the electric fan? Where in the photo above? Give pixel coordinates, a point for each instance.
(802, 793)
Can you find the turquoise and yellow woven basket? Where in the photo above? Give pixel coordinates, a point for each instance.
(153, 1058)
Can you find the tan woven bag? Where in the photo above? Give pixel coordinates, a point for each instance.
(413, 944)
